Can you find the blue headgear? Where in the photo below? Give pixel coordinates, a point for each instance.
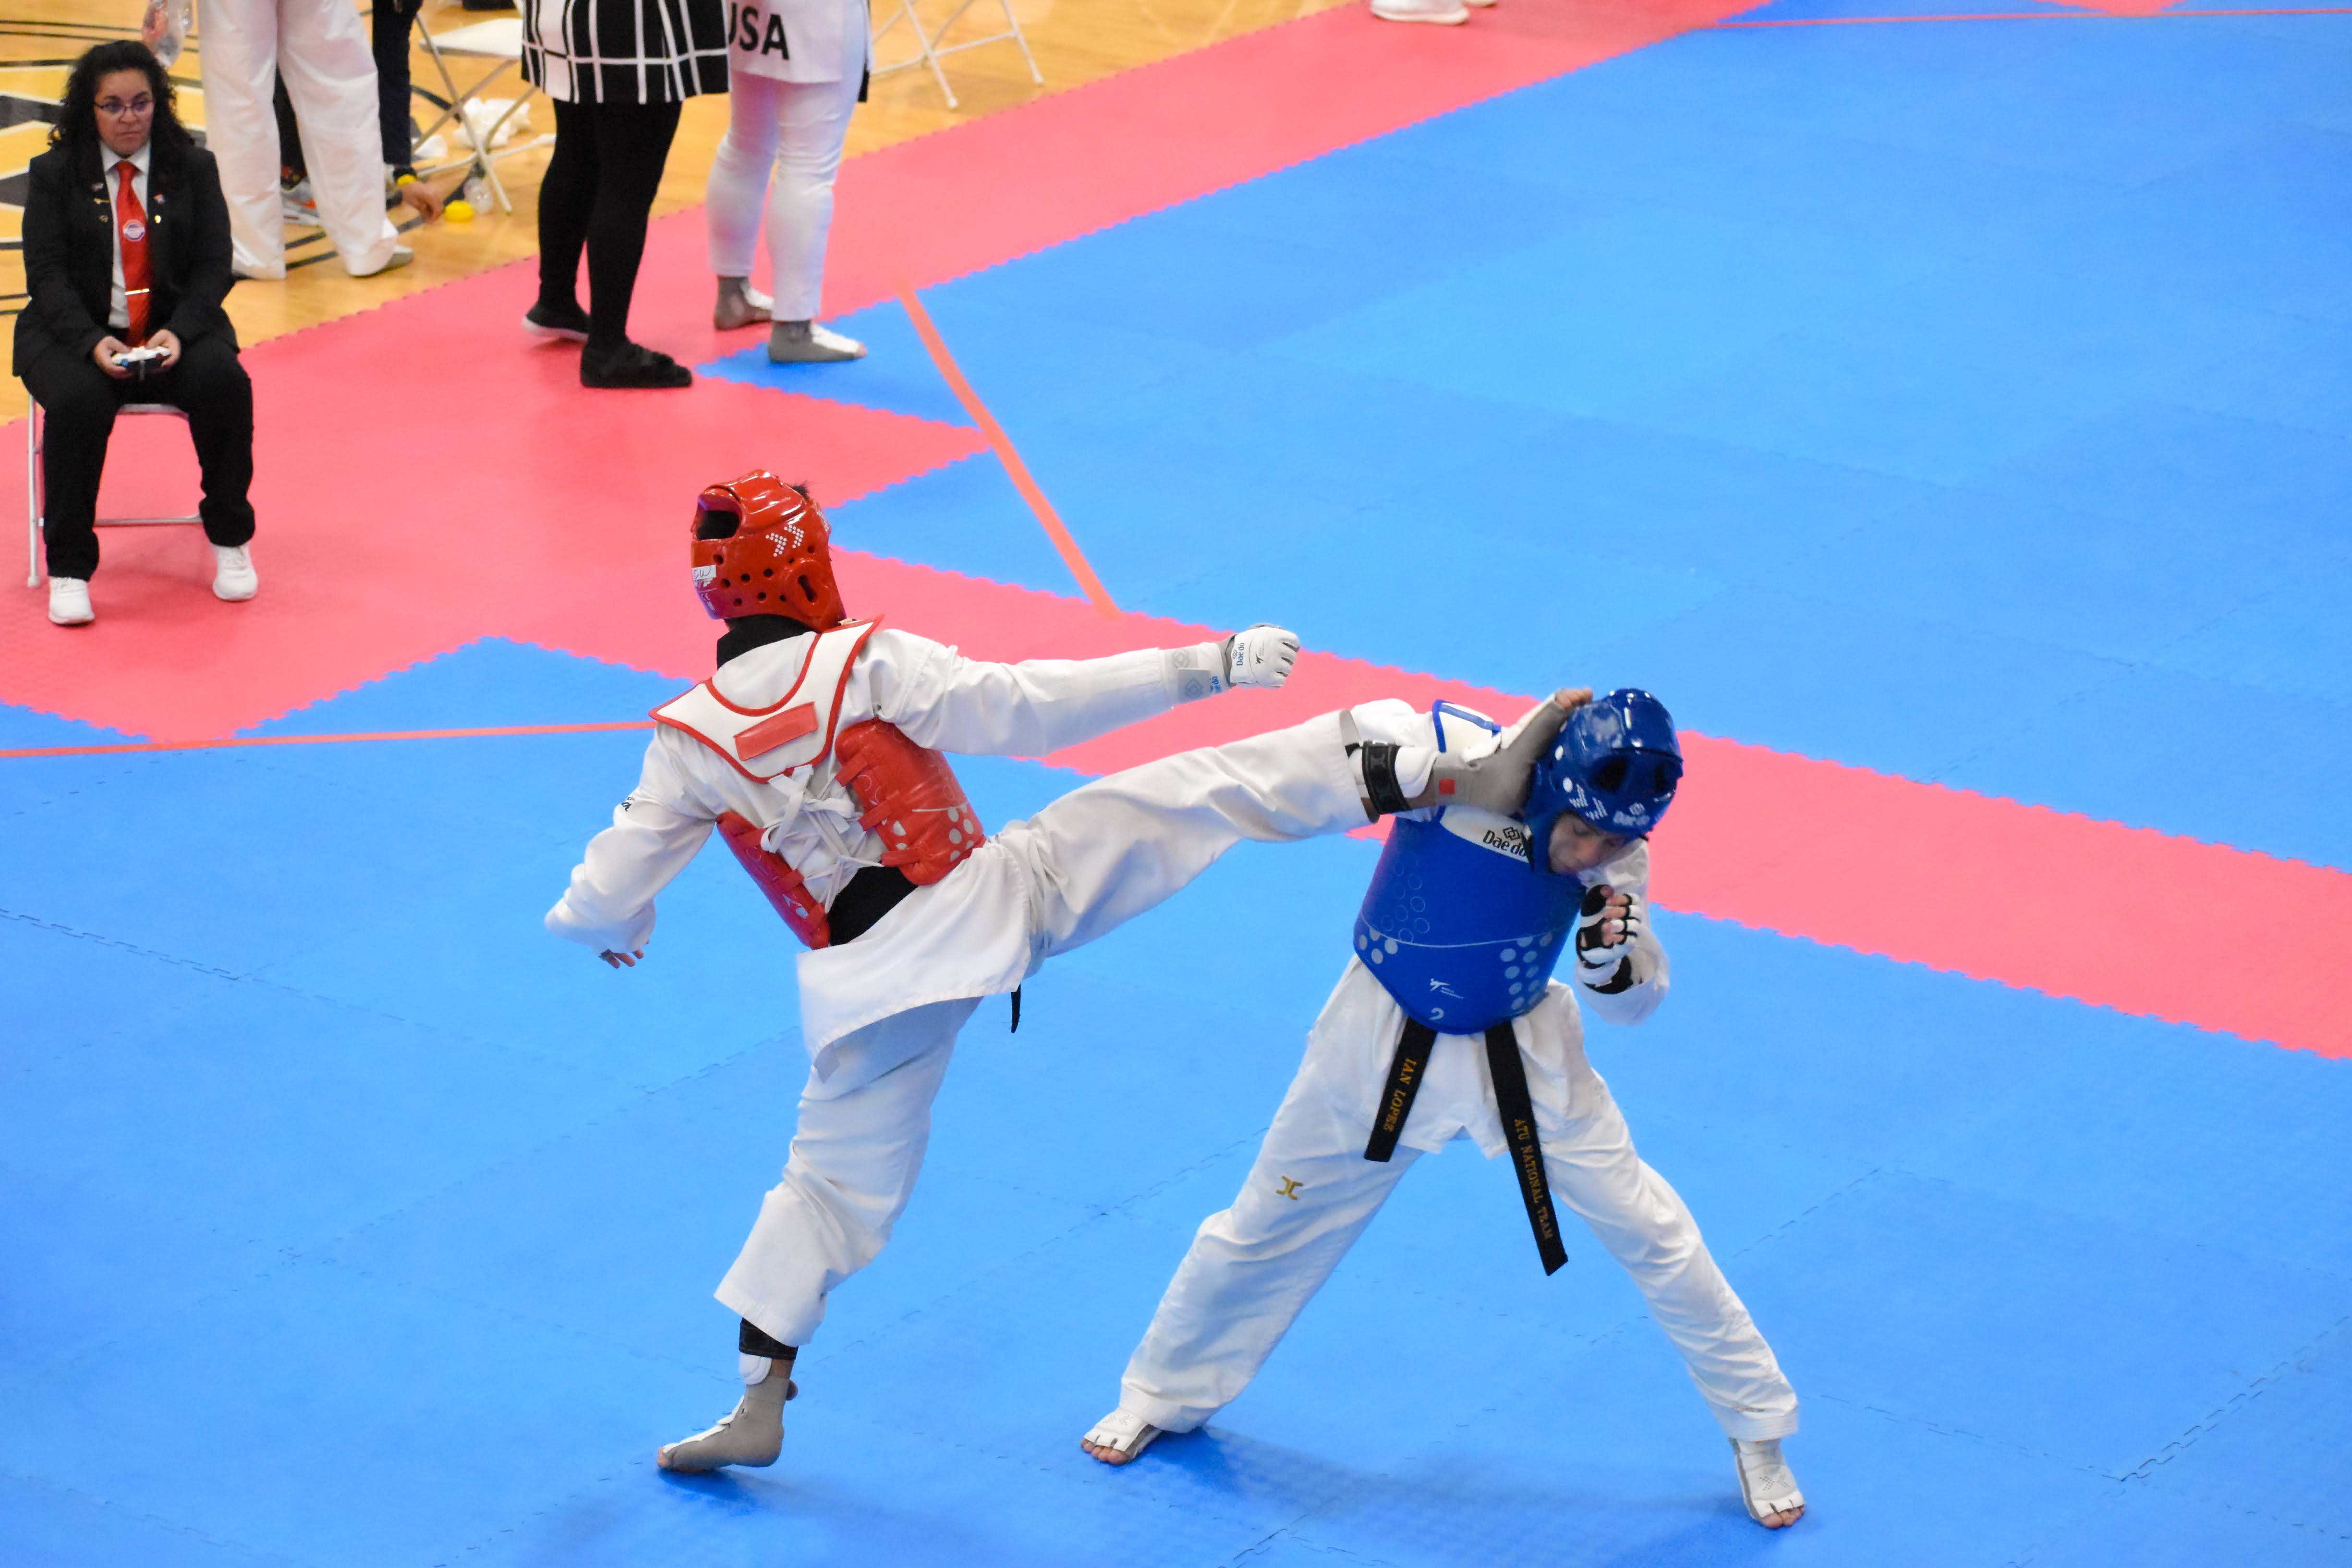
(1616, 765)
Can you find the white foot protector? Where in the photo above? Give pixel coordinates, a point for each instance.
(70, 602)
(234, 578)
(1124, 1433)
(808, 343)
(1765, 1483)
(751, 1434)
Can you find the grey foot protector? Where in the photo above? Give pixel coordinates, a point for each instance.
(798, 342)
(752, 1434)
(734, 308)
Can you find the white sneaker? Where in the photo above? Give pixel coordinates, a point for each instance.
(400, 257)
(1444, 13)
(70, 602)
(298, 203)
(234, 578)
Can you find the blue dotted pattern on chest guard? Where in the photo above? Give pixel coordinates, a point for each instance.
(1458, 926)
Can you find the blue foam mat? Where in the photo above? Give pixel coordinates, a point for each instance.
(2061, 292)
(516, 1182)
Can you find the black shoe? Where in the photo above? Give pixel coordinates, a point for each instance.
(632, 366)
(544, 320)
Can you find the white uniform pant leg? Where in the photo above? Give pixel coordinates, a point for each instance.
(815, 124)
(330, 71)
(239, 58)
(852, 1169)
(1250, 1270)
(738, 172)
(1650, 1232)
(1111, 849)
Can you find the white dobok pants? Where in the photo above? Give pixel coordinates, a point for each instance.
(321, 48)
(1311, 1193)
(795, 130)
(1090, 861)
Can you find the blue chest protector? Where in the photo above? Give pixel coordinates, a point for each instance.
(1458, 925)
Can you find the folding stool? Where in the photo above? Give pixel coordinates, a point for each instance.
(32, 497)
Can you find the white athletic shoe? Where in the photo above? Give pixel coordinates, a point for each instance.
(298, 203)
(70, 602)
(1765, 1482)
(751, 1434)
(1123, 1432)
(1444, 13)
(806, 342)
(400, 257)
(234, 578)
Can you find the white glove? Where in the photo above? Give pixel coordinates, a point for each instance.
(1261, 654)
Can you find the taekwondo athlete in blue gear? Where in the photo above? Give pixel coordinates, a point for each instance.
(1508, 850)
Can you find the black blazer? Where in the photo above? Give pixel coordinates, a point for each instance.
(69, 250)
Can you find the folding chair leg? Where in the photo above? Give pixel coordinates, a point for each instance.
(1014, 23)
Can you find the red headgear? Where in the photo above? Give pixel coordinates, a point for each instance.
(761, 549)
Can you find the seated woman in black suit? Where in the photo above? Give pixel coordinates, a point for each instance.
(126, 249)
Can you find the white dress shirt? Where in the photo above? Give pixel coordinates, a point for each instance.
(118, 316)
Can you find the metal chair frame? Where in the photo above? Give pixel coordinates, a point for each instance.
(928, 53)
(34, 497)
(479, 156)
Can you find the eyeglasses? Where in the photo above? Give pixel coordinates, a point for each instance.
(117, 108)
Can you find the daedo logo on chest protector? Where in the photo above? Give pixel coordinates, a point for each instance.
(743, 29)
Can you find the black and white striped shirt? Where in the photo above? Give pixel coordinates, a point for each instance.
(625, 51)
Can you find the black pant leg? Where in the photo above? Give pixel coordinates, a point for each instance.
(632, 146)
(290, 162)
(388, 41)
(567, 196)
(210, 384)
(78, 404)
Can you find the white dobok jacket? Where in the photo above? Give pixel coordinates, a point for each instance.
(940, 700)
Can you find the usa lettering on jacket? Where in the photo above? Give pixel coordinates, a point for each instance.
(745, 31)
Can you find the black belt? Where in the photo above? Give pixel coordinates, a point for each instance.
(862, 903)
(1510, 1079)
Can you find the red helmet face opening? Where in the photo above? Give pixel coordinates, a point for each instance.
(761, 548)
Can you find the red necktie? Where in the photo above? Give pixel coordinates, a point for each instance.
(131, 228)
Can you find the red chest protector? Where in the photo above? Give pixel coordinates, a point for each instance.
(905, 793)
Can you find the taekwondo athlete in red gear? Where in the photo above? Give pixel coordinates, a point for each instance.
(1447, 1023)
(814, 750)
